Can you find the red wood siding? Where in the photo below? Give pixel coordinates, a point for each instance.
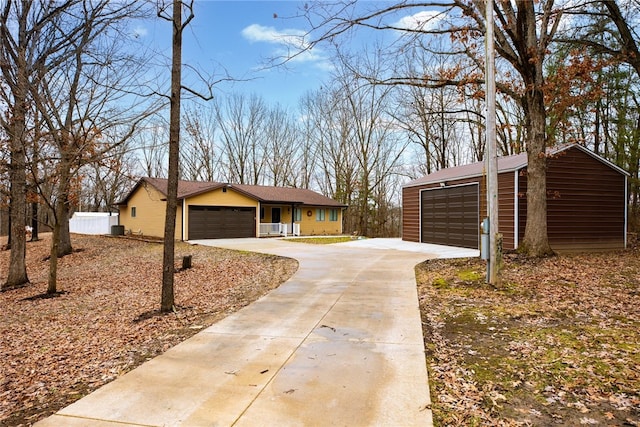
(585, 204)
(506, 208)
(522, 204)
(411, 214)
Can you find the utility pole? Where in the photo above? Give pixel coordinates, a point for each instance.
(495, 256)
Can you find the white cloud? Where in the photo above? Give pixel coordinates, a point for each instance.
(289, 43)
(260, 33)
(425, 20)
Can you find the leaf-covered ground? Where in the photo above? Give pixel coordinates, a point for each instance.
(557, 343)
(105, 321)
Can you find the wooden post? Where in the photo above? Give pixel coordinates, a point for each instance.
(186, 262)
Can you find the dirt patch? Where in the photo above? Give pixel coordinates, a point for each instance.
(104, 321)
(557, 343)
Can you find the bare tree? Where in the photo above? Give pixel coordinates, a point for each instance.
(78, 101)
(307, 159)
(16, 55)
(106, 180)
(375, 146)
(168, 268)
(358, 143)
(201, 157)
(242, 120)
(629, 45)
(524, 33)
(282, 148)
(52, 51)
(329, 130)
(435, 118)
(151, 143)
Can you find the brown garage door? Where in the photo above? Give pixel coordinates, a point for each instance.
(221, 222)
(449, 216)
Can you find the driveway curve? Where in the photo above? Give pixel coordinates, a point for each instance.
(339, 344)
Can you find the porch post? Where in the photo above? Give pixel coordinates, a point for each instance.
(257, 224)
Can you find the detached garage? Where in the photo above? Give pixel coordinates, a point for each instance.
(586, 204)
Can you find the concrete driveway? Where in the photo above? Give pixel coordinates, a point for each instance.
(338, 344)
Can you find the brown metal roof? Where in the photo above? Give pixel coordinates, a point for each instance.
(286, 195)
(185, 188)
(505, 164)
(261, 193)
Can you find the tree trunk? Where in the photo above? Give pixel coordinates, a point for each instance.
(536, 240)
(168, 268)
(53, 260)
(64, 238)
(17, 275)
(61, 217)
(9, 228)
(34, 222)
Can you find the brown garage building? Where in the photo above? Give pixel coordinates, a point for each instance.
(586, 204)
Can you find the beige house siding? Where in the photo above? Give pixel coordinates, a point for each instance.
(285, 213)
(150, 208)
(311, 225)
(220, 197)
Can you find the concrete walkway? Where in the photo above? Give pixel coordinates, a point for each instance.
(338, 344)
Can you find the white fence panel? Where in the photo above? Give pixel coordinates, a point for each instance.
(97, 223)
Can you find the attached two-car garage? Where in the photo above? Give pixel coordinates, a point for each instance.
(221, 222)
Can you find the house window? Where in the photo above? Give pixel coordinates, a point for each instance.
(319, 214)
(297, 214)
(133, 211)
(261, 212)
(333, 214)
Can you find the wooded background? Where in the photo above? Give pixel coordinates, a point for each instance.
(85, 115)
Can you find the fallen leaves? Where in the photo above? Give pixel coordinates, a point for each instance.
(558, 342)
(106, 321)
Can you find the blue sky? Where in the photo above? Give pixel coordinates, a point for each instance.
(239, 37)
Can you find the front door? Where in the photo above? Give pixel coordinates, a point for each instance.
(275, 215)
